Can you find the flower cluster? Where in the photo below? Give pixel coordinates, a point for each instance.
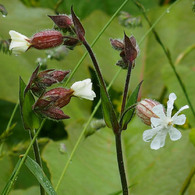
(51, 102)
(122, 46)
(162, 123)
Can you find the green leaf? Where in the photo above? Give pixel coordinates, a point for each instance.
(94, 170)
(40, 175)
(10, 181)
(128, 113)
(30, 119)
(108, 111)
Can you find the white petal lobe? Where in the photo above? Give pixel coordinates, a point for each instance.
(174, 134)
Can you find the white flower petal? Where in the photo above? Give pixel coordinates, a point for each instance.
(19, 43)
(179, 120)
(174, 134)
(149, 134)
(181, 109)
(159, 140)
(159, 111)
(83, 89)
(172, 98)
(155, 121)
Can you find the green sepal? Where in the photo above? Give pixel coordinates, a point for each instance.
(29, 118)
(40, 175)
(129, 108)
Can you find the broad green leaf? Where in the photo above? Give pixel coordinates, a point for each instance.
(7, 188)
(108, 111)
(128, 113)
(85, 7)
(94, 164)
(30, 119)
(40, 175)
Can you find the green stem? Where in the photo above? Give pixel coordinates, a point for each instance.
(12, 116)
(37, 156)
(22, 161)
(187, 182)
(95, 40)
(167, 53)
(120, 161)
(184, 54)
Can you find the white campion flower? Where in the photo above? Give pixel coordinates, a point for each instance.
(83, 89)
(164, 124)
(19, 43)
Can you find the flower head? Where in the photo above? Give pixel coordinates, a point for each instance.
(42, 40)
(83, 89)
(19, 43)
(163, 125)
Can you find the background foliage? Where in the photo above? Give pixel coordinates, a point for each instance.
(94, 168)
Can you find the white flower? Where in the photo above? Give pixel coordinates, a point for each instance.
(83, 89)
(19, 42)
(164, 124)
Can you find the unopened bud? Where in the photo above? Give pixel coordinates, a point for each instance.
(54, 113)
(144, 110)
(48, 77)
(57, 97)
(71, 42)
(62, 21)
(46, 39)
(116, 44)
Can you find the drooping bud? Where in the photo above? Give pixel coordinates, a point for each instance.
(144, 110)
(58, 97)
(117, 44)
(54, 113)
(62, 21)
(46, 39)
(40, 81)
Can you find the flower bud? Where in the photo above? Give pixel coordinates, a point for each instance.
(54, 113)
(48, 77)
(116, 44)
(46, 39)
(71, 42)
(62, 21)
(144, 110)
(58, 97)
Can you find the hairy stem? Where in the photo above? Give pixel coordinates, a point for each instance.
(121, 163)
(37, 156)
(96, 66)
(126, 88)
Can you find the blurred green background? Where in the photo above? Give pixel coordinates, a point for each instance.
(93, 169)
